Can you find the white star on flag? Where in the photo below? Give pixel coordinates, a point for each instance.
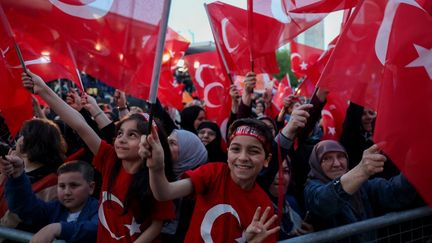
(134, 227)
(424, 59)
(332, 131)
(303, 66)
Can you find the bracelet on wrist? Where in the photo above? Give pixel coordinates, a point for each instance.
(97, 114)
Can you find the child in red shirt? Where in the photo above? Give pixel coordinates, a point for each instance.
(228, 200)
(128, 211)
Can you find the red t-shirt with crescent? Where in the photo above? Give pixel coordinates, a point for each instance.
(223, 210)
(114, 225)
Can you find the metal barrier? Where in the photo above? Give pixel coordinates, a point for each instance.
(18, 235)
(408, 226)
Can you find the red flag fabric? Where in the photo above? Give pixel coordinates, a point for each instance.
(354, 66)
(404, 110)
(211, 84)
(170, 93)
(306, 88)
(322, 6)
(284, 90)
(333, 115)
(15, 101)
(293, 23)
(303, 57)
(230, 26)
(113, 41)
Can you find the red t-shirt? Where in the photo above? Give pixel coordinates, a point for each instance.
(223, 210)
(114, 226)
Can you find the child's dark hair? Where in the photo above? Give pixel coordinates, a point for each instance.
(43, 142)
(259, 126)
(139, 190)
(83, 167)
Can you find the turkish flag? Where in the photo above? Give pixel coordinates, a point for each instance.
(303, 57)
(322, 6)
(113, 41)
(170, 92)
(333, 116)
(404, 110)
(230, 25)
(283, 90)
(293, 23)
(356, 64)
(306, 88)
(212, 85)
(15, 101)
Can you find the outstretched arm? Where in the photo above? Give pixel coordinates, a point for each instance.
(163, 190)
(69, 115)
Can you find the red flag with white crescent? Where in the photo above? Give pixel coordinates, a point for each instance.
(211, 84)
(303, 57)
(404, 112)
(113, 41)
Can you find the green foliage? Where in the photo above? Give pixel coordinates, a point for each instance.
(283, 57)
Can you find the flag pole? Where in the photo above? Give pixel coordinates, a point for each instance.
(75, 65)
(158, 61)
(218, 47)
(250, 32)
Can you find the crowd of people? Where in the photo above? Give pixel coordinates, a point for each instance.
(92, 173)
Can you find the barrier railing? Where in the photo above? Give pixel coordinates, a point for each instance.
(18, 235)
(413, 225)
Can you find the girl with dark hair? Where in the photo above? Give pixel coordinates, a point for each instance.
(191, 117)
(127, 211)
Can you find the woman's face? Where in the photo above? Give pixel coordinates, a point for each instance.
(259, 108)
(174, 147)
(334, 164)
(367, 119)
(206, 135)
(200, 118)
(284, 183)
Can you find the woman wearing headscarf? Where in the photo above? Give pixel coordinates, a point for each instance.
(336, 196)
(191, 117)
(210, 135)
(187, 152)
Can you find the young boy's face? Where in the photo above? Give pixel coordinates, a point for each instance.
(246, 157)
(73, 190)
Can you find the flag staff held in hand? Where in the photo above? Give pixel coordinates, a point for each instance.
(250, 32)
(158, 61)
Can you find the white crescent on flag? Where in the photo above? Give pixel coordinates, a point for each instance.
(207, 90)
(383, 36)
(225, 40)
(94, 10)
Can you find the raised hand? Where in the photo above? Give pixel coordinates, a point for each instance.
(120, 98)
(74, 100)
(151, 149)
(12, 166)
(32, 82)
(372, 161)
(250, 82)
(298, 119)
(259, 228)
